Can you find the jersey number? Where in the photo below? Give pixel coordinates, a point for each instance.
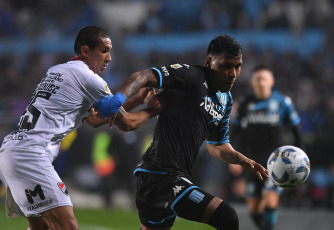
(30, 116)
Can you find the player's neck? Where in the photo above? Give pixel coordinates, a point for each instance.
(75, 58)
(263, 95)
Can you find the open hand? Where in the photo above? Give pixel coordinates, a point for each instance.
(256, 168)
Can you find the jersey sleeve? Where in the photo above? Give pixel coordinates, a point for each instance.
(291, 115)
(220, 134)
(95, 88)
(176, 76)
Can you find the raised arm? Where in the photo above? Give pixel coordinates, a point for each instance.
(138, 80)
(108, 106)
(95, 120)
(129, 121)
(225, 152)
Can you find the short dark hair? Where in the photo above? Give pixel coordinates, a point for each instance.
(224, 44)
(89, 36)
(263, 67)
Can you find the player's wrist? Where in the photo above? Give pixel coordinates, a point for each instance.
(110, 105)
(120, 98)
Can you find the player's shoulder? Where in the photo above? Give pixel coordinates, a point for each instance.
(281, 97)
(186, 68)
(75, 69)
(193, 73)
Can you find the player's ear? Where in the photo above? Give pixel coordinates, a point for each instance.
(208, 61)
(84, 50)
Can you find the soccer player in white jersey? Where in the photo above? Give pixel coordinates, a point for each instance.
(60, 104)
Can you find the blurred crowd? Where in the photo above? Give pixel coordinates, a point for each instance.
(308, 80)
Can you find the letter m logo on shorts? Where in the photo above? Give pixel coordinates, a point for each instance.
(32, 193)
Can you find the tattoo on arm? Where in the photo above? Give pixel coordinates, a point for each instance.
(138, 80)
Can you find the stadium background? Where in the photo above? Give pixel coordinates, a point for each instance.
(294, 36)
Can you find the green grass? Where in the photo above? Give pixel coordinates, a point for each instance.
(92, 219)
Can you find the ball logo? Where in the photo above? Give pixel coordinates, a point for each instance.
(62, 187)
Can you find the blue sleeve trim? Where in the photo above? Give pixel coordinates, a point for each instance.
(218, 142)
(160, 77)
(179, 197)
(148, 171)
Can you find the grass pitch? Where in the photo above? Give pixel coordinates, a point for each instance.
(99, 219)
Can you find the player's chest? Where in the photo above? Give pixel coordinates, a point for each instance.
(213, 106)
(263, 112)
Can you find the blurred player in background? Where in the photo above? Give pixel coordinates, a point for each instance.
(198, 108)
(60, 104)
(257, 128)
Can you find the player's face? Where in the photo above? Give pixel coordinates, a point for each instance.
(262, 81)
(226, 70)
(98, 58)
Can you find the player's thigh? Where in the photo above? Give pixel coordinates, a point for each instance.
(61, 218)
(154, 192)
(195, 204)
(34, 184)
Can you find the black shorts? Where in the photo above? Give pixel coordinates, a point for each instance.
(160, 197)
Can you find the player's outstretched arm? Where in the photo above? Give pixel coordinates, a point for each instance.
(138, 80)
(109, 106)
(225, 152)
(138, 99)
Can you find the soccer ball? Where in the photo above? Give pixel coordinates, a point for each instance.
(288, 166)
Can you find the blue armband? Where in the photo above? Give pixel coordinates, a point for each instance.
(108, 106)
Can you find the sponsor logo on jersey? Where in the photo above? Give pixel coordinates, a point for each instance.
(216, 111)
(14, 138)
(176, 66)
(62, 187)
(165, 71)
(106, 88)
(263, 117)
(41, 204)
(177, 189)
(48, 83)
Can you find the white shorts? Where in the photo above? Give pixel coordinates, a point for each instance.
(33, 185)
